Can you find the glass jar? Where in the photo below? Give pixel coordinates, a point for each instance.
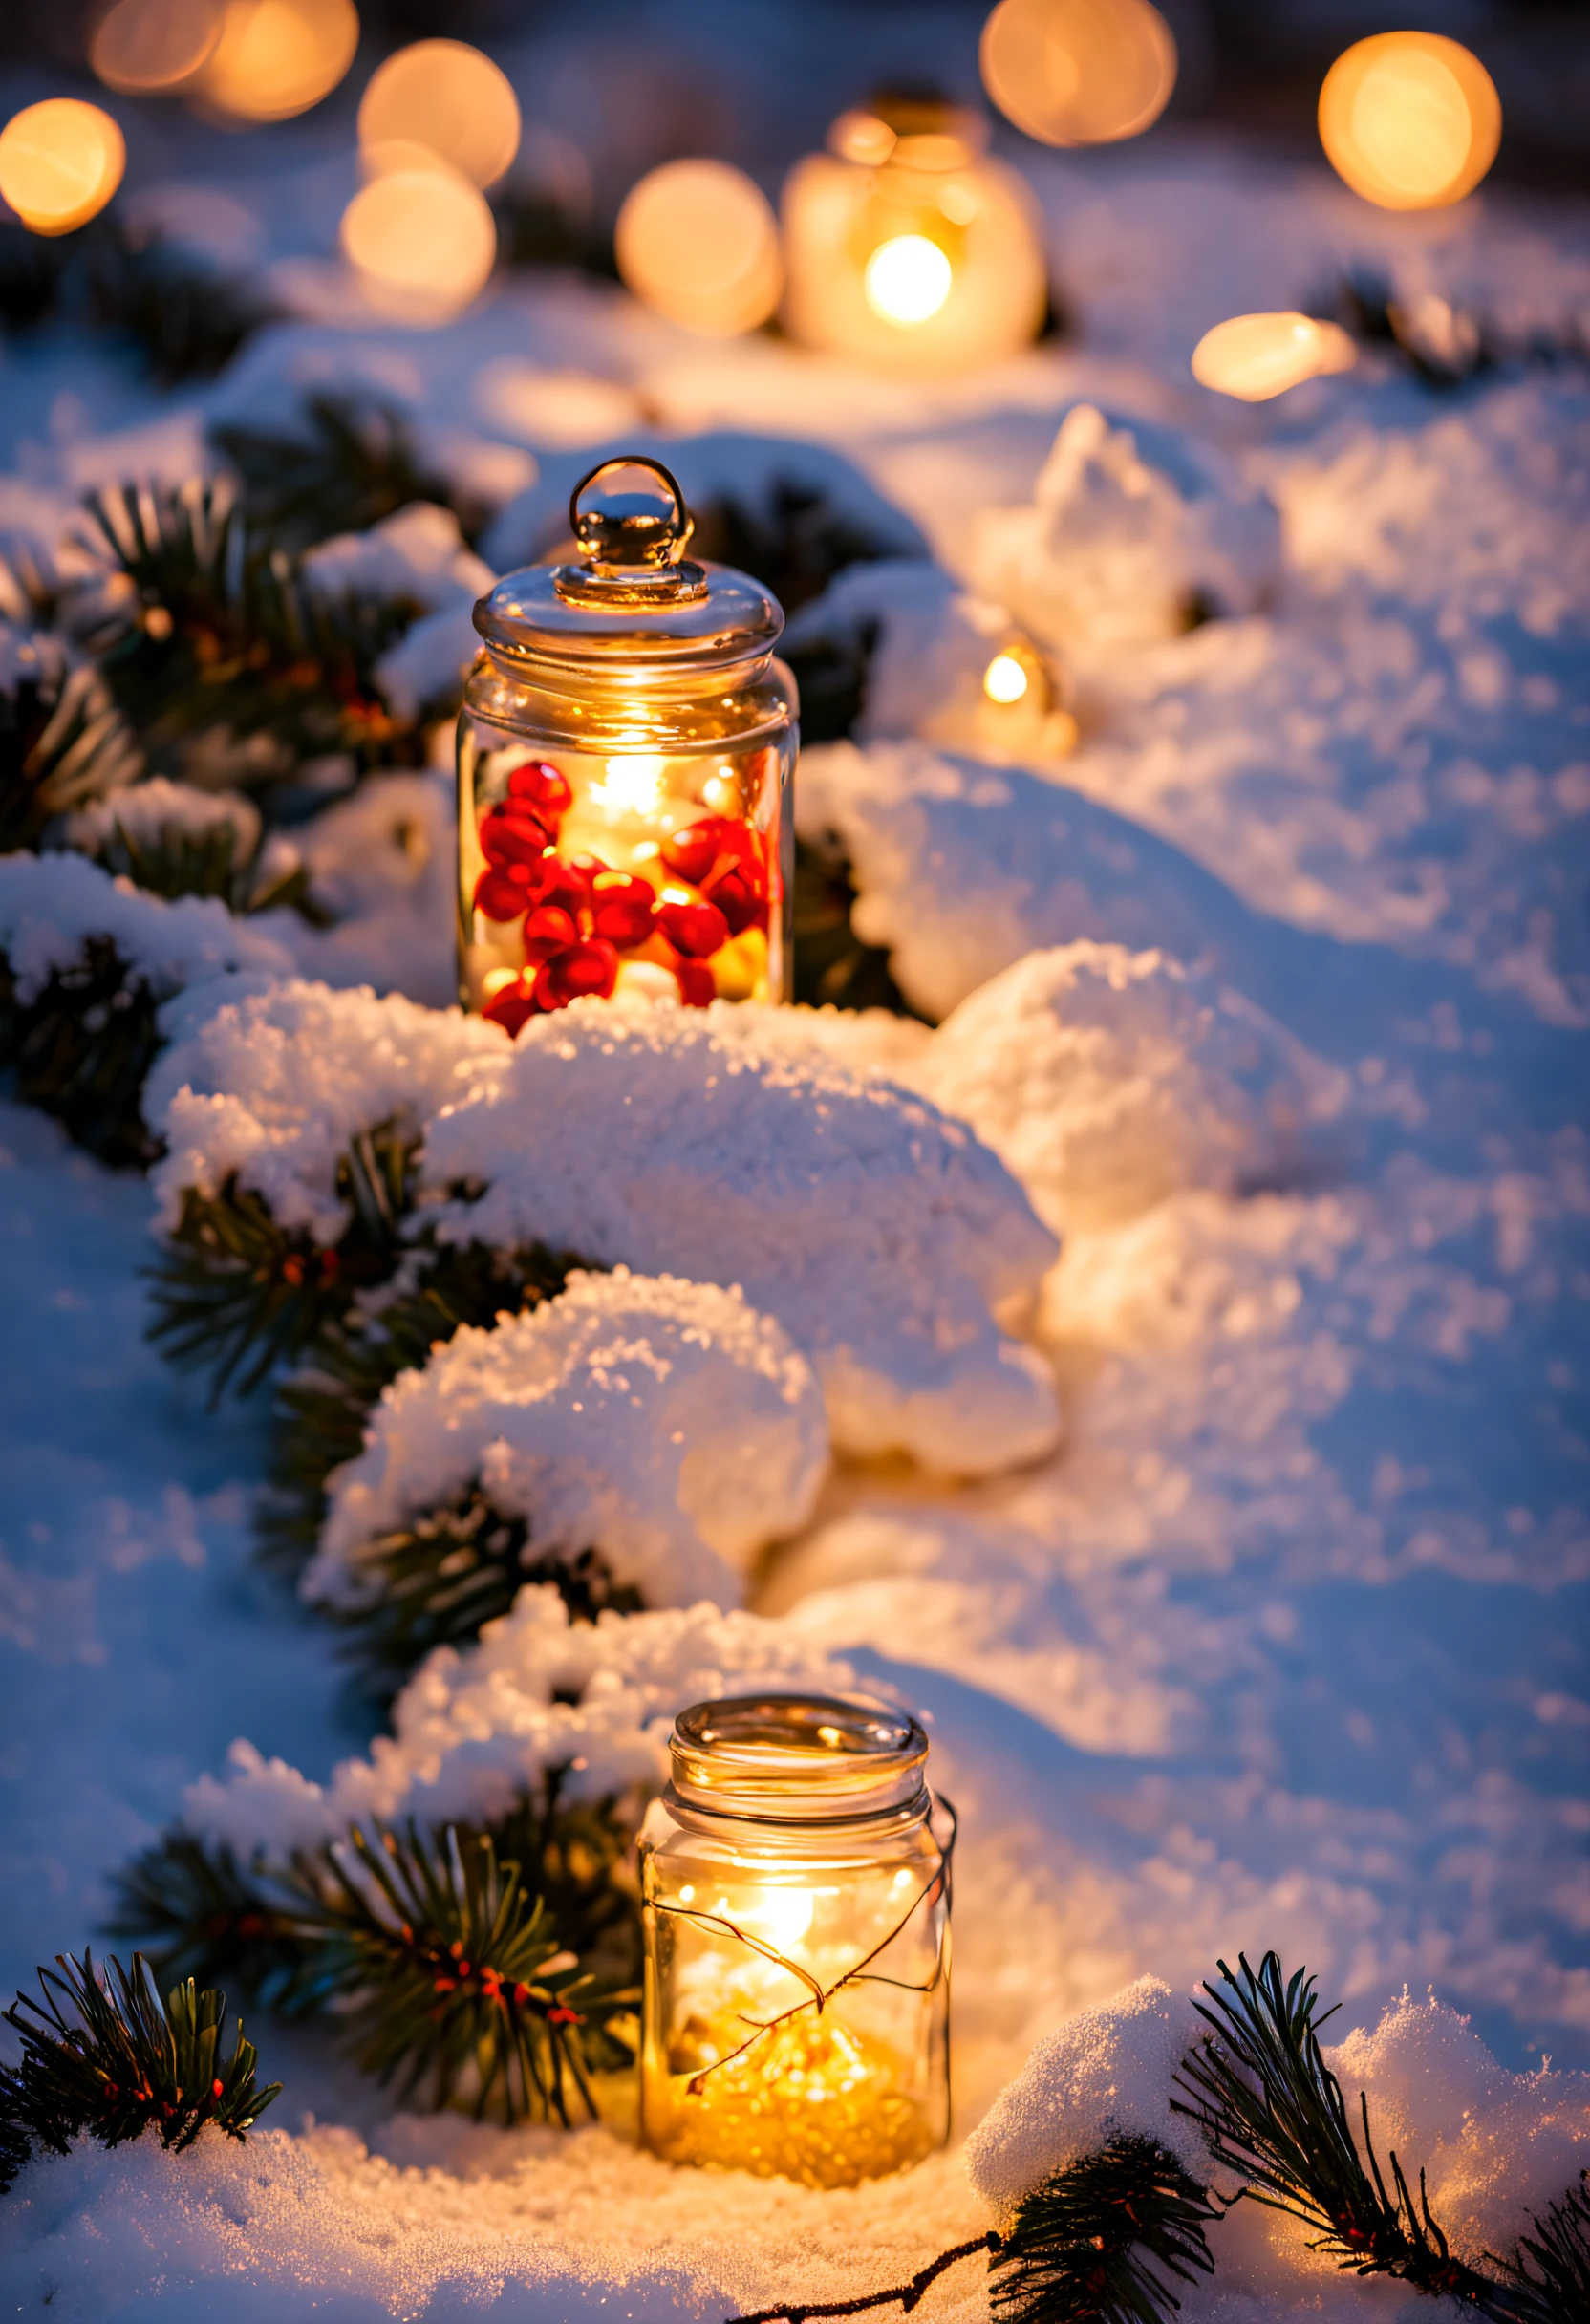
(797, 1926)
(625, 754)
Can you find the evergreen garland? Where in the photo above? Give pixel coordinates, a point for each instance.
(105, 2058)
(347, 461)
(82, 1049)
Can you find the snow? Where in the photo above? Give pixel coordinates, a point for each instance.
(706, 1142)
(418, 555)
(664, 1422)
(1283, 1641)
(146, 813)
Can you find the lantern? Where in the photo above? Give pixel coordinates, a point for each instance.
(796, 1907)
(626, 749)
(907, 245)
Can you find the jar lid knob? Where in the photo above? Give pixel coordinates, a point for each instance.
(631, 524)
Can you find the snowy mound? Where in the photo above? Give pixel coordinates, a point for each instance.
(274, 1085)
(382, 863)
(476, 1732)
(51, 905)
(706, 1142)
(1103, 2075)
(418, 555)
(961, 868)
(662, 1422)
(1106, 1080)
(1129, 527)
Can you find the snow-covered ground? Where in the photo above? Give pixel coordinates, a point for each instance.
(1285, 1644)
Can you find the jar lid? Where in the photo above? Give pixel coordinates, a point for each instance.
(798, 1758)
(635, 597)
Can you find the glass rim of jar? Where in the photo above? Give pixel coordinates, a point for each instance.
(784, 1760)
(524, 620)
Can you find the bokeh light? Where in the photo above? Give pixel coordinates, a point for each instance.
(907, 279)
(1411, 121)
(423, 240)
(1004, 681)
(278, 58)
(699, 242)
(61, 162)
(1255, 356)
(145, 46)
(1079, 71)
(446, 95)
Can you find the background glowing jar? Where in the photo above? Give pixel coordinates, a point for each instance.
(626, 749)
(905, 245)
(797, 1944)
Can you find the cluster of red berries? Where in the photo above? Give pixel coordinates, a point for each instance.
(579, 915)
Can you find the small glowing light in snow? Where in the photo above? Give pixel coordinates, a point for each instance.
(143, 45)
(907, 280)
(446, 96)
(278, 58)
(61, 162)
(699, 242)
(422, 239)
(1004, 681)
(1255, 356)
(1079, 71)
(1411, 121)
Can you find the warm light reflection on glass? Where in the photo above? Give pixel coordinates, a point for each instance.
(631, 786)
(423, 240)
(278, 58)
(1004, 681)
(145, 45)
(1255, 356)
(61, 162)
(446, 96)
(908, 279)
(1079, 71)
(699, 242)
(1411, 121)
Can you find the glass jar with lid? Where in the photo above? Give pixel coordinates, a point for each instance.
(625, 755)
(797, 1928)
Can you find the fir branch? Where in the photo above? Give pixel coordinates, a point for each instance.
(1548, 2276)
(207, 626)
(348, 463)
(437, 1579)
(202, 1916)
(236, 1293)
(105, 2058)
(1086, 2247)
(1271, 2110)
(832, 965)
(321, 1413)
(179, 862)
(82, 1049)
(60, 745)
(184, 315)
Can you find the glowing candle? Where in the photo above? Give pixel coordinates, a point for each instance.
(905, 245)
(697, 241)
(626, 749)
(1255, 356)
(1411, 121)
(1079, 71)
(797, 1944)
(61, 162)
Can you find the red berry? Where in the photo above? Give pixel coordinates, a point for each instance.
(622, 908)
(696, 989)
(735, 899)
(499, 895)
(717, 841)
(547, 930)
(510, 838)
(511, 1008)
(697, 930)
(588, 967)
(215, 2089)
(542, 785)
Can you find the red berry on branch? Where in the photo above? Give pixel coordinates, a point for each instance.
(541, 783)
(697, 930)
(588, 967)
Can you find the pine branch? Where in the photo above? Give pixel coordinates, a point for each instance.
(1548, 2274)
(443, 1576)
(61, 744)
(794, 549)
(107, 2058)
(184, 314)
(832, 965)
(1271, 2110)
(321, 1413)
(177, 861)
(348, 463)
(202, 1916)
(1089, 2244)
(236, 1293)
(82, 1048)
(208, 628)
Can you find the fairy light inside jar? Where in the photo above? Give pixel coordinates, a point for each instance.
(797, 1943)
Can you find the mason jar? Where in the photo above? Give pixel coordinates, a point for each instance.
(797, 1931)
(625, 756)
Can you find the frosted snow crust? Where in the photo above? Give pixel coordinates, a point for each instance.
(722, 1145)
(50, 905)
(662, 1422)
(476, 1731)
(146, 812)
(273, 1087)
(419, 555)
